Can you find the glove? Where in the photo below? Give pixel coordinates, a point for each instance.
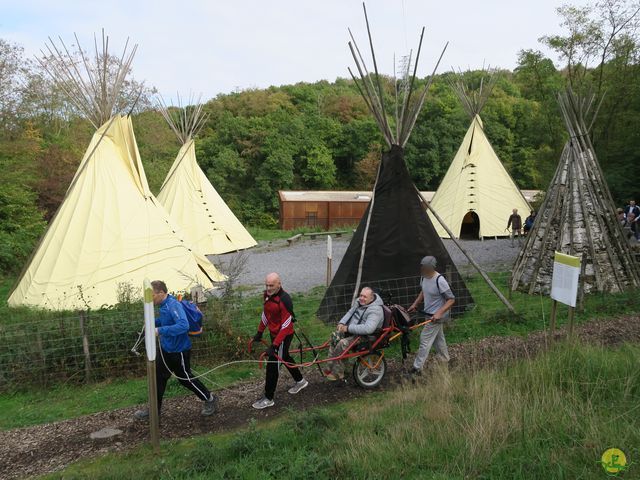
(257, 337)
(272, 351)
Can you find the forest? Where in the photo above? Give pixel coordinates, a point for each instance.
(321, 135)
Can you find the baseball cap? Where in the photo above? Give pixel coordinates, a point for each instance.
(429, 261)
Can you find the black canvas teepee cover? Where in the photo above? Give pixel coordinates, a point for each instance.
(400, 234)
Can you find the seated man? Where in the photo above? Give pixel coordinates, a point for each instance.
(364, 318)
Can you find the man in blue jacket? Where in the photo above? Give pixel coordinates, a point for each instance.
(174, 358)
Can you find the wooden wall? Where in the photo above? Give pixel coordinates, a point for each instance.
(326, 215)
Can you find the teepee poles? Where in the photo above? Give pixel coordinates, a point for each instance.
(577, 216)
(473, 101)
(185, 120)
(94, 88)
(372, 90)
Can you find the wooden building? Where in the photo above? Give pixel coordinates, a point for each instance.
(324, 209)
(332, 209)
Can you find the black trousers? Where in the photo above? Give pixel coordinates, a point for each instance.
(178, 363)
(273, 368)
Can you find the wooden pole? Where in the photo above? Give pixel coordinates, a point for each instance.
(571, 314)
(154, 417)
(150, 347)
(486, 278)
(552, 320)
(85, 345)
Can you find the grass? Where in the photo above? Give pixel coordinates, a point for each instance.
(551, 417)
(490, 317)
(269, 235)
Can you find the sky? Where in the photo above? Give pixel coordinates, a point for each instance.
(211, 47)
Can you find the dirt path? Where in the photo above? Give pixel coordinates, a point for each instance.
(46, 448)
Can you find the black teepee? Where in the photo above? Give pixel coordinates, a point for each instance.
(395, 231)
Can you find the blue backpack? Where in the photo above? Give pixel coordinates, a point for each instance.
(194, 317)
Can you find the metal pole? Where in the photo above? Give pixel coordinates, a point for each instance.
(150, 346)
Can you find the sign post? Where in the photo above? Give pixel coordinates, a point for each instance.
(329, 259)
(150, 347)
(564, 286)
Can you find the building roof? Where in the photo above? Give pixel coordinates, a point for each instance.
(354, 196)
(324, 196)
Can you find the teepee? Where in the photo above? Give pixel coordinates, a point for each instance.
(186, 193)
(395, 231)
(477, 194)
(109, 230)
(577, 217)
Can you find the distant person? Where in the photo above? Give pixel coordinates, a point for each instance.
(632, 208)
(528, 222)
(631, 227)
(278, 317)
(515, 223)
(364, 318)
(172, 327)
(437, 297)
(620, 215)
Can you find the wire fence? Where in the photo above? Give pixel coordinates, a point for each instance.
(45, 349)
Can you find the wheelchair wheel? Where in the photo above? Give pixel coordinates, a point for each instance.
(369, 369)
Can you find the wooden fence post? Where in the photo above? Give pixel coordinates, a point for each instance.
(84, 329)
(552, 321)
(571, 314)
(329, 260)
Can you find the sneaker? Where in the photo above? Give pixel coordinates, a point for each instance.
(264, 402)
(210, 406)
(296, 387)
(141, 414)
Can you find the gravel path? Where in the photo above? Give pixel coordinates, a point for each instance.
(303, 264)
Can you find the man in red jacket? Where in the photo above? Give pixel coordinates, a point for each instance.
(278, 317)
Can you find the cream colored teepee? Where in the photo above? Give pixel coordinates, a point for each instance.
(110, 230)
(477, 194)
(189, 197)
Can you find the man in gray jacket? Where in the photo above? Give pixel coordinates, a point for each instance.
(364, 318)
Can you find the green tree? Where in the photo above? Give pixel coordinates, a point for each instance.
(319, 171)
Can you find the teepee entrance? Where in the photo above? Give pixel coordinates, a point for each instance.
(476, 180)
(470, 228)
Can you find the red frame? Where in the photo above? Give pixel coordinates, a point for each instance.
(347, 353)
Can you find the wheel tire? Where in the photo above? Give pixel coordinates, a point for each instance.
(368, 377)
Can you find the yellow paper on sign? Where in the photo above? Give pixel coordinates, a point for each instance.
(566, 259)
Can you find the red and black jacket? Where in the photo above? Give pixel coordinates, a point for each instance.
(277, 314)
